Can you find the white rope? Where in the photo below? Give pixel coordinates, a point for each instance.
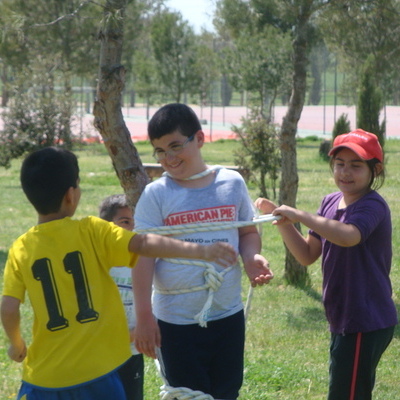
(213, 278)
(207, 226)
(212, 281)
(182, 393)
(201, 174)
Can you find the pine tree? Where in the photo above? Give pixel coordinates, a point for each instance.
(370, 103)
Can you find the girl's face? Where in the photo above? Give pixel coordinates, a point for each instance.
(352, 174)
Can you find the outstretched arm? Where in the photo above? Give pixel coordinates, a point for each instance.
(339, 233)
(152, 245)
(306, 250)
(10, 318)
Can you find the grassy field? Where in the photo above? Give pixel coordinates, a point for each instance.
(287, 335)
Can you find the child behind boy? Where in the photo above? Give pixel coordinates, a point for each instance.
(115, 209)
(80, 338)
(207, 359)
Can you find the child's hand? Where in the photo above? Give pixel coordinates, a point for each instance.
(147, 336)
(17, 352)
(132, 335)
(265, 206)
(287, 214)
(221, 253)
(258, 271)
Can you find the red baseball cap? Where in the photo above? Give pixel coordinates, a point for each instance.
(365, 144)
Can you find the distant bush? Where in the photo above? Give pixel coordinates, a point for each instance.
(37, 117)
(342, 125)
(259, 153)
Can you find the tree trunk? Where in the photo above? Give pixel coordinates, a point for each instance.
(108, 118)
(294, 272)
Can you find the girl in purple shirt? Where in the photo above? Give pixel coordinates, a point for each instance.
(353, 232)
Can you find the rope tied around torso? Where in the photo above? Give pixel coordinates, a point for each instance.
(212, 282)
(212, 278)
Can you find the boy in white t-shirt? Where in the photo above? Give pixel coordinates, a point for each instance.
(209, 359)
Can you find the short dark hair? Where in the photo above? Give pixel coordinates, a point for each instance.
(46, 175)
(172, 117)
(111, 204)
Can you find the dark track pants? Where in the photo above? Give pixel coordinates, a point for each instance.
(353, 361)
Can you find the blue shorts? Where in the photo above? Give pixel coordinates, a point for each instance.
(206, 359)
(106, 387)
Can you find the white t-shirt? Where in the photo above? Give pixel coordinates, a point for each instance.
(164, 202)
(123, 278)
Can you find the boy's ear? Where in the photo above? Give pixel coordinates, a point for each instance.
(69, 195)
(200, 137)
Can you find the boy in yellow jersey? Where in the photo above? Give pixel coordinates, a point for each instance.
(80, 338)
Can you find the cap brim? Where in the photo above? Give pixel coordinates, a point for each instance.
(352, 146)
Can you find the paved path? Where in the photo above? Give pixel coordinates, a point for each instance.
(217, 121)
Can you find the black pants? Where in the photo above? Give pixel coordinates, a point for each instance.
(132, 377)
(206, 359)
(353, 361)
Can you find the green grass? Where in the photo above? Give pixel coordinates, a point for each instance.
(287, 346)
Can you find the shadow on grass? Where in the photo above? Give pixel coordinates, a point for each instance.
(315, 314)
(312, 293)
(3, 258)
(310, 318)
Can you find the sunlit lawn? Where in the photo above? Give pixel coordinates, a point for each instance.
(287, 334)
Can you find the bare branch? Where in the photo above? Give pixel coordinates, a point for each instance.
(67, 16)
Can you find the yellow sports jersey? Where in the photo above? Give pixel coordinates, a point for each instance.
(79, 330)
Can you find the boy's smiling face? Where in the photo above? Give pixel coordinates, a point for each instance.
(180, 155)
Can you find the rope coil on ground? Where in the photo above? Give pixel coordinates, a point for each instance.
(182, 393)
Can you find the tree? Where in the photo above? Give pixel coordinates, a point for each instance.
(258, 63)
(357, 30)
(300, 12)
(296, 16)
(319, 63)
(370, 103)
(205, 65)
(173, 42)
(145, 76)
(107, 108)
